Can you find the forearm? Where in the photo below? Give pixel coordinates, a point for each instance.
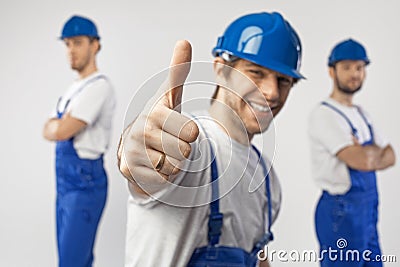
(367, 158)
(386, 158)
(50, 129)
(62, 129)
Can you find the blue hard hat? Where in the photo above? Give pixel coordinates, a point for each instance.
(266, 39)
(78, 25)
(348, 50)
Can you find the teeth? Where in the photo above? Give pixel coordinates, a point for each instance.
(259, 107)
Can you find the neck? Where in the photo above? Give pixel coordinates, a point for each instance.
(342, 98)
(230, 123)
(88, 70)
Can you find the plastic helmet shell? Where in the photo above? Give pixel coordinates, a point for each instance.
(266, 39)
(348, 50)
(78, 25)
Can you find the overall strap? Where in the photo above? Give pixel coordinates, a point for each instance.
(215, 219)
(268, 236)
(353, 129)
(371, 130)
(92, 80)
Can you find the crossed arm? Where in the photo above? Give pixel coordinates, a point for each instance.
(367, 158)
(62, 129)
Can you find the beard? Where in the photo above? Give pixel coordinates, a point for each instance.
(76, 68)
(345, 89)
(80, 64)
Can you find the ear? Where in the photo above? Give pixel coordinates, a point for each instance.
(96, 45)
(332, 72)
(221, 70)
(219, 65)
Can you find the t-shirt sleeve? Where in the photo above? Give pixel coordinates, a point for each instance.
(329, 129)
(88, 104)
(53, 114)
(379, 138)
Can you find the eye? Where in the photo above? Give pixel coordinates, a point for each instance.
(76, 42)
(256, 72)
(285, 82)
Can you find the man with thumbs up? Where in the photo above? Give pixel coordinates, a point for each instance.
(201, 193)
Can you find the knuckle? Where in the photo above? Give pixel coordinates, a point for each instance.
(148, 134)
(155, 114)
(136, 134)
(123, 168)
(130, 159)
(149, 125)
(142, 117)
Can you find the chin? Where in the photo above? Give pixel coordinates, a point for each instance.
(258, 129)
(264, 129)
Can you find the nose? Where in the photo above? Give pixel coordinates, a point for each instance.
(270, 89)
(356, 72)
(70, 48)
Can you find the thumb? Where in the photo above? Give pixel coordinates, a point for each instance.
(178, 72)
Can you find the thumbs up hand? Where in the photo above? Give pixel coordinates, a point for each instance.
(154, 146)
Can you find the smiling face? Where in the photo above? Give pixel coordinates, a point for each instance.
(255, 94)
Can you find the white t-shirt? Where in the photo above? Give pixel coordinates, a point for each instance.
(93, 104)
(160, 234)
(329, 133)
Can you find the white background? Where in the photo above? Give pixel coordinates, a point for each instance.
(137, 40)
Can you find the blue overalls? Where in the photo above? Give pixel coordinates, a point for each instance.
(348, 223)
(81, 196)
(215, 255)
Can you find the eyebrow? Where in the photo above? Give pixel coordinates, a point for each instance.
(251, 64)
